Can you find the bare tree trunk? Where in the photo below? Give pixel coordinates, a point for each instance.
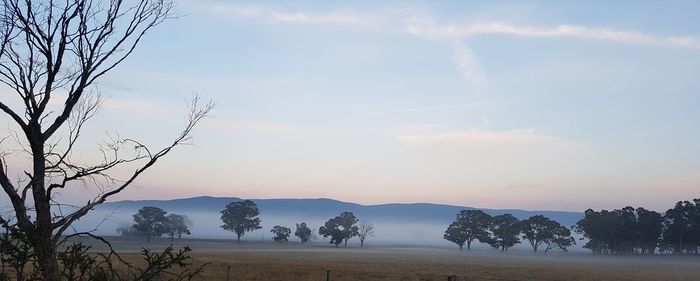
(362, 243)
(238, 238)
(46, 255)
(42, 241)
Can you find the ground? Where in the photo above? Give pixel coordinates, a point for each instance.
(317, 261)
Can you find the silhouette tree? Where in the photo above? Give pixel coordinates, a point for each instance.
(240, 217)
(539, 230)
(365, 230)
(455, 234)
(650, 227)
(505, 229)
(281, 233)
(682, 227)
(469, 225)
(303, 232)
(561, 240)
(150, 221)
(340, 228)
(622, 231)
(51, 56)
(176, 225)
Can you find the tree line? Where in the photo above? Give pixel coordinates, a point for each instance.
(240, 217)
(641, 231)
(502, 232)
(621, 231)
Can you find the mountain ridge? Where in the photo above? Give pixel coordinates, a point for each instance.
(328, 207)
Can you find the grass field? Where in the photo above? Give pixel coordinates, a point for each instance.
(268, 261)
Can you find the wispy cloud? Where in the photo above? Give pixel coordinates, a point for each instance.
(437, 31)
(346, 17)
(454, 35)
(468, 64)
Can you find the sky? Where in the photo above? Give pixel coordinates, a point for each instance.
(551, 105)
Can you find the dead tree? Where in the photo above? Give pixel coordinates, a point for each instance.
(366, 230)
(57, 50)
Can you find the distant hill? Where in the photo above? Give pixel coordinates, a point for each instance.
(398, 224)
(326, 208)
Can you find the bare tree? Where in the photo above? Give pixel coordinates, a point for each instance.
(366, 230)
(57, 50)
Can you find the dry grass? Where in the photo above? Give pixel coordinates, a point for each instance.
(267, 262)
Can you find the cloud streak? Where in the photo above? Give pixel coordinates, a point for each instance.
(436, 31)
(340, 17)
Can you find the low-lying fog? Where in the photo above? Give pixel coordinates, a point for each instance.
(207, 225)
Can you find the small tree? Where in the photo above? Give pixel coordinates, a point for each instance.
(176, 225)
(340, 228)
(303, 232)
(281, 233)
(150, 221)
(240, 217)
(366, 229)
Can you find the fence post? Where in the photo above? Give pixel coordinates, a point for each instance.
(328, 275)
(228, 273)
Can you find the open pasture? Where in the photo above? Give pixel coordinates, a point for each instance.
(317, 261)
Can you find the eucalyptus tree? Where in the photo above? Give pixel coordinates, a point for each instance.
(303, 232)
(505, 230)
(469, 225)
(542, 231)
(240, 217)
(151, 221)
(340, 229)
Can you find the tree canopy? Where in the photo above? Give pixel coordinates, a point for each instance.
(470, 225)
(541, 231)
(176, 225)
(150, 221)
(505, 230)
(281, 233)
(303, 232)
(340, 228)
(623, 231)
(240, 217)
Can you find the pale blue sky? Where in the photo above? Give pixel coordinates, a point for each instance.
(537, 105)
